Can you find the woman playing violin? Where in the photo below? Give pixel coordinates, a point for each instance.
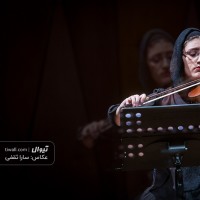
(184, 67)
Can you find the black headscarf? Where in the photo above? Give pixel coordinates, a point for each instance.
(176, 65)
(149, 37)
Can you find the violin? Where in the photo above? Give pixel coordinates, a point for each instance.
(194, 93)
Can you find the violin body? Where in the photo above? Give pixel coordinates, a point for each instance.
(194, 94)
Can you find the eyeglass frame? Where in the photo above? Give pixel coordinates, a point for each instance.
(186, 54)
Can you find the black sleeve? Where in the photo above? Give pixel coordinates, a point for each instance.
(111, 113)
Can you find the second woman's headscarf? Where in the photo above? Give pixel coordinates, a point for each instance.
(150, 37)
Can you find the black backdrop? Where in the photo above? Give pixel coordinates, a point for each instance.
(63, 63)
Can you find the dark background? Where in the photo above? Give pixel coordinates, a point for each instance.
(63, 63)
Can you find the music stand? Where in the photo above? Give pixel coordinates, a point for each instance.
(161, 137)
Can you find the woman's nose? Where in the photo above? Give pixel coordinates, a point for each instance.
(165, 62)
(198, 60)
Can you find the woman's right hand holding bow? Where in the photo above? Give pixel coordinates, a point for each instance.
(132, 101)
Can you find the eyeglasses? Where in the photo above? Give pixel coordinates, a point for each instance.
(193, 54)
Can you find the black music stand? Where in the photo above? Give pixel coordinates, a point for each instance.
(161, 137)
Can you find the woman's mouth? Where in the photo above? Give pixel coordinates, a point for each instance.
(197, 69)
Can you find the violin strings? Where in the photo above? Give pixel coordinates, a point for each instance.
(156, 96)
